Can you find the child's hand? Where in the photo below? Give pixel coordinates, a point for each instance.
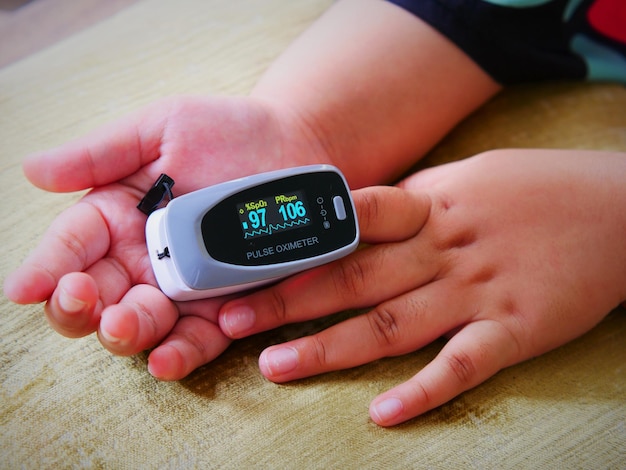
(91, 265)
(509, 254)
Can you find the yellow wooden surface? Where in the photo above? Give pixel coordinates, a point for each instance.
(68, 403)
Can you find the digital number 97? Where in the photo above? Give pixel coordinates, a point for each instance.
(257, 218)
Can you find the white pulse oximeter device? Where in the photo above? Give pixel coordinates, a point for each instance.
(251, 231)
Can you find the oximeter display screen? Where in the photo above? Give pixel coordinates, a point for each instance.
(279, 221)
(273, 214)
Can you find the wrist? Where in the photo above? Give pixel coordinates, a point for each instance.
(298, 141)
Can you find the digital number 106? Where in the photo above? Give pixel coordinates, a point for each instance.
(292, 210)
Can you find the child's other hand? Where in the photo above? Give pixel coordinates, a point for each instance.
(91, 265)
(508, 254)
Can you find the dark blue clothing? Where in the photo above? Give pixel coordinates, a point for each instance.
(527, 40)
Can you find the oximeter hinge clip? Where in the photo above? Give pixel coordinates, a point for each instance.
(155, 196)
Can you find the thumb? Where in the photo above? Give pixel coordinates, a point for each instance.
(114, 151)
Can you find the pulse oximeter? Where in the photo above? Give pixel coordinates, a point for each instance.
(251, 231)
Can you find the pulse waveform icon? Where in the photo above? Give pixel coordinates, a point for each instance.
(271, 228)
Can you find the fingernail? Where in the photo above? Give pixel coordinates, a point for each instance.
(238, 320)
(387, 410)
(70, 304)
(280, 361)
(108, 337)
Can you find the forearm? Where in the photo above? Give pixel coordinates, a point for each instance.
(374, 87)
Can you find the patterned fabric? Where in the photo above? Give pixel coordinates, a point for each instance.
(528, 40)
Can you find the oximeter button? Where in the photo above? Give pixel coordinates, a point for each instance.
(340, 208)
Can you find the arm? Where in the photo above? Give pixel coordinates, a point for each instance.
(376, 86)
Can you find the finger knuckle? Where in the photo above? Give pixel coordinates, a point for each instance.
(320, 351)
(421, 395)
(349, 277)
(194, 338)
(462, 367)
(384, 326)
(451, 227)
(277, 305)
(369, 209)
(74, 245)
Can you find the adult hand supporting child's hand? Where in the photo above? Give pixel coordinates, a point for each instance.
(509, 254)
(91, 265)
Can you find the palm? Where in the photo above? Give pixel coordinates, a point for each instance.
(186, 146)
